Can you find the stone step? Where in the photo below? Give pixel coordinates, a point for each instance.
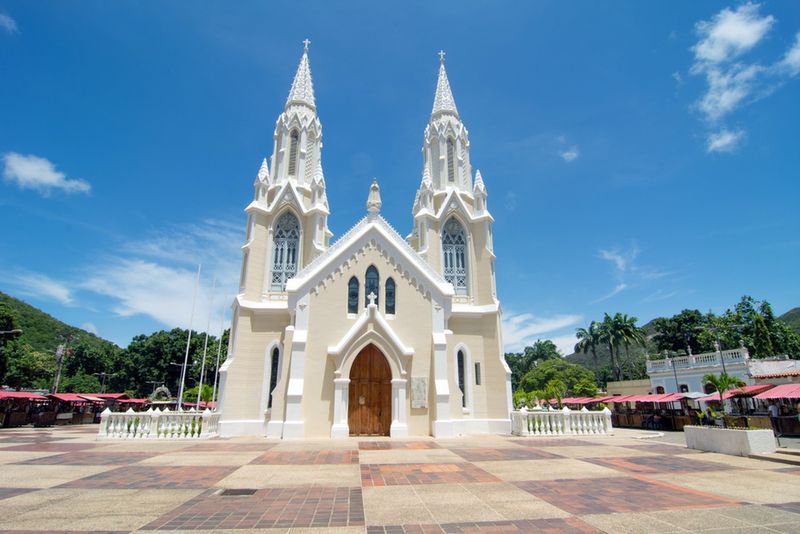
(776, 457)
(792, 452)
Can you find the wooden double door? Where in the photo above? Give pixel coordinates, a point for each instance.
(370, 398)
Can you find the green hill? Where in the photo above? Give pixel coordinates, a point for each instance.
(44, 333)
(792, 318)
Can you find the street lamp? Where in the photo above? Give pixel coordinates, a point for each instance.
(718, 344)
(674, 372)
(104, 375)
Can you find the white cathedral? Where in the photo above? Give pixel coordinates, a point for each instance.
(374, 334)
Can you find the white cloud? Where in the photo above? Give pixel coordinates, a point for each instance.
(8, 24)
(725, 140)
(622, 260)
(727, 89)
(677, 77)
(659, 295)
(570, 154)
(89, 327)
(523, 329)
(729, 34)
(41, 286)
(791, 61)
(39, 174)
(619, 288)
(155, 277)
(510, 201)
(565, 343)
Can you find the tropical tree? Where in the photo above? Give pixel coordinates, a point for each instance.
(723, 383)
(630, 334)
(588, 340)
(570, 374)
(611, 333)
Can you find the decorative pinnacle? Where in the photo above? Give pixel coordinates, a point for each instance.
(302, 91)
(263, 172)
(479, 182)
(374, 199)
(443, 101)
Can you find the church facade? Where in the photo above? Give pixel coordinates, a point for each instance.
(373, 334)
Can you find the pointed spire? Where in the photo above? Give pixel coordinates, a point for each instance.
(263, 172)
(443, 102)
(374, 199)
(302, 91)
(426, 177)
(479, 182)
(319, 177)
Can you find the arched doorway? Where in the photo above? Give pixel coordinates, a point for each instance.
(370, 394)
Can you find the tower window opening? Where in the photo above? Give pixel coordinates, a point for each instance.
(461, 378)
(294, 140)
(273, 376)
(371, 285)
(390, 297)
(454, 252)
(285, 245)
(352, 295)
(451, 164)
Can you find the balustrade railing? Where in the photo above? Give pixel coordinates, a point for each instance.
(158, 424)
(706, 359)
(560, 422)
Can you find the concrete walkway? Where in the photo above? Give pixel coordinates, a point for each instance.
(61, 479)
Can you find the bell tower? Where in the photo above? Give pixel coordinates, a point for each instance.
(287, 223)
(452, 224)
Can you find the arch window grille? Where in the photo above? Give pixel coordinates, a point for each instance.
(659, 390)
(684, 388)
(275, 365)
(454, 251)
(451, 163)
(294, 140)
(371, 285)
(285, 245)
(352, 295)
(709, 389)
(461, 377)
(390, 297)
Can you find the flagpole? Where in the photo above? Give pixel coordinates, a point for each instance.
(188, 341)
(219, 349)
(205, 343)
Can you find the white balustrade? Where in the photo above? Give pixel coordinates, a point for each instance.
(706, 359)
(155, 424)
(564, 422)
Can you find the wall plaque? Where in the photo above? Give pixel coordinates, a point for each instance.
(419, 392)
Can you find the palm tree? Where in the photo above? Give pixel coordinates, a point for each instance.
(723, 383)
(610, 335)
(588, 339)
(630, 334)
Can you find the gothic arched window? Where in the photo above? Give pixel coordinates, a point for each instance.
(451, 162)
(285, 245)
(371, 285)
(294, 140)
(461, 377)
(390, 296)
(454, 255)
(275, 366)
(352, 295)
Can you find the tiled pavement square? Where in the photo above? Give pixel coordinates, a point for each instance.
(623, 494)
(267, 508)
(752, 485)
(230, 446)
(662, 448)
(488, 454)
(401, 474)
(659, 464)
(139, 477)
(553, 442)
(595, 451)
(283, 476)
(87, 510)
(571, 525)
(90, 457)
(201, 458)
(51, 447)
(409, 456)
(513, 470)
(788, 507)
(5, 493)
(385, 445)
(45, 476)
(307, 457)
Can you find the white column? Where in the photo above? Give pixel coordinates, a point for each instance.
(399, 428)
(341, 397)
(294, 425)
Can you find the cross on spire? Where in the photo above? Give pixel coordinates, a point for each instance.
(306, 42)
(441, 56)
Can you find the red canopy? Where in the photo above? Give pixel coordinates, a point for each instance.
(783, 391)
(660, 397)
(74, 397)
(134, 401)
(115, 396)
(746, 391)
(21, 395)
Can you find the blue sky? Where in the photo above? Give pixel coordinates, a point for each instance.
(639, 157)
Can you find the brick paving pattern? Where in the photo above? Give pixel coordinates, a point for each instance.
(618, 494)
(143, 477)
(268, 508)
(659, 464)
(386, 445)
(487, 454)
(307, 457)
(609, 487)
(407, 474)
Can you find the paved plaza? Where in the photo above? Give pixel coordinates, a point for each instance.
(62, 479)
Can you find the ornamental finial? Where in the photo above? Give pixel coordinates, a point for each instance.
(441, 56)
(374, 199)
(306, 42)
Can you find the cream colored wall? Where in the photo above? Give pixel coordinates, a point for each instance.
(629, 387)
(481, 338)
(329, 322)
(254, 334)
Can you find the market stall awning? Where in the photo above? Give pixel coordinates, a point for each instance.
(746, 391)
(134, 401)
(114, 396)
(783, 391)
(21, 395)
(74, 398)
(92, 398)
